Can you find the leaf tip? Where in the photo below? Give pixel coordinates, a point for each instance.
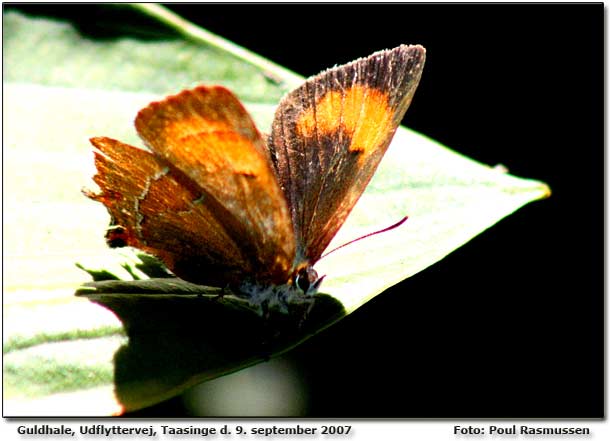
(545, 191)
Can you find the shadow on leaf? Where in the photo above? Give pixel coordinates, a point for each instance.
(181, 334)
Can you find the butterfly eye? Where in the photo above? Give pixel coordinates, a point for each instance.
(305, 278)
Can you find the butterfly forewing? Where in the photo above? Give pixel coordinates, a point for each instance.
(330, 134)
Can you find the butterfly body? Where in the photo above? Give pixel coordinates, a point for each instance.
(285, 298)
(222, 206)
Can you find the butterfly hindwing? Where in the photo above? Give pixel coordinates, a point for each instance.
(211, 183)
(330, 134)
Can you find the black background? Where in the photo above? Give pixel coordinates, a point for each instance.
(511, 324)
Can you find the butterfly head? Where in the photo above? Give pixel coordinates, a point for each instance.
(306, 280)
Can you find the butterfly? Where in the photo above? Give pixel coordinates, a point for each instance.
(222, 205)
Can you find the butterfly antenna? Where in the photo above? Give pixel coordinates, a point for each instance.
(391, 227)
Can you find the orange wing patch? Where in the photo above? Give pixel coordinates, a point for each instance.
(362, 111)
(196, 124)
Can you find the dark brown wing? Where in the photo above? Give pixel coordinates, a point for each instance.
(329, 135)
(206, 201)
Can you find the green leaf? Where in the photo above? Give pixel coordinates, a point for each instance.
(63, 86)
